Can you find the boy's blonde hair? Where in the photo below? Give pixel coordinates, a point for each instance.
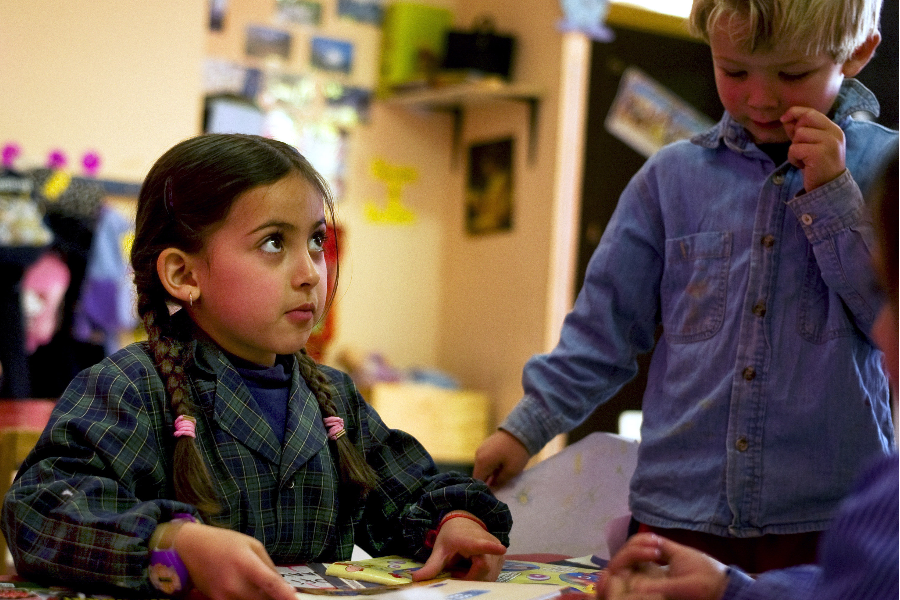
(833, 27)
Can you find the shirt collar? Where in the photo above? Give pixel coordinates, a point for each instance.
(853, 97)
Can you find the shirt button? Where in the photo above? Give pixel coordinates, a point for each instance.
(768, 241)
(741, 444)
(778, 178)
(806, 219)
(759, 309)
(749, 373)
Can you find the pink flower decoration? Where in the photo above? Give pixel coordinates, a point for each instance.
(56, 160)
(91, 163)
(11, 151)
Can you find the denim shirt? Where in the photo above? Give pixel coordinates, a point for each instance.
(765, 392)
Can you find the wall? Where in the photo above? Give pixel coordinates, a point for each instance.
(495, 287)
(122, 78)
(490, 292)
(429, 294)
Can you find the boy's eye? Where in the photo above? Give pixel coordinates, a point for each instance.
(794, 76)
(317, 241)
(273, 244)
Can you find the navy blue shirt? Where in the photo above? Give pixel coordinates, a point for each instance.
(270, 387)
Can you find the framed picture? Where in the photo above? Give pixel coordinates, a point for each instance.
(265, 41)
(329, 54)
(217, 10)
(301, 12)
(489, 187)
(646, 116)
(364, 11)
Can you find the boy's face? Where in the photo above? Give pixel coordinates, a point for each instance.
(757, 88)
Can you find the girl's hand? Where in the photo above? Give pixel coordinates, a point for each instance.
(227, 565)
(690, 574)
(817, 145)
(466, 550)
(500, 458)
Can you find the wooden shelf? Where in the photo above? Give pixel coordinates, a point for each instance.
(456, 99)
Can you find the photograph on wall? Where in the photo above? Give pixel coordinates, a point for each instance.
(364, 11)
(217, 10)
(646, 116)
(222, 75)
(354, 102)
(299, 12)
(264, 42)
(489, 187)
(329, 54)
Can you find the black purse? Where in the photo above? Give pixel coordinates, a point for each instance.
(481, 50)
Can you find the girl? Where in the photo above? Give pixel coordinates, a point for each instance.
(218, 448)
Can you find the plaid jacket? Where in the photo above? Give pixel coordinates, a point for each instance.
(90, 494)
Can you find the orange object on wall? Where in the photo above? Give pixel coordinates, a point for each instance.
(323, 331)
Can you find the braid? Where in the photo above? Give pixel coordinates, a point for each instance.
(193, 484)
(356, 474)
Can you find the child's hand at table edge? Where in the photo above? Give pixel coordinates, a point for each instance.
(228, 565)
(465, 549)
(632, 572)
(500, 458)
(818, 147)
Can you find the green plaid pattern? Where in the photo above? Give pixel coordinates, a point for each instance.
(92, 491)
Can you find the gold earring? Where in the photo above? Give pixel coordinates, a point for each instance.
(191, 299)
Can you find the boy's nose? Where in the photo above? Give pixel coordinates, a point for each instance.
(760, 94)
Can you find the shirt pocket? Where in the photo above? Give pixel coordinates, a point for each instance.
(694, 285)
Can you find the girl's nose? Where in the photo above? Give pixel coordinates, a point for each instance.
(308, 271)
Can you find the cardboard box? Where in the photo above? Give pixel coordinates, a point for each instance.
(451, 424)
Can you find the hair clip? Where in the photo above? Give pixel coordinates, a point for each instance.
(335, 427)
(185, 425)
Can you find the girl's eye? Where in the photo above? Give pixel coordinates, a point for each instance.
(734, 74)
(273, 244)
(317, 241)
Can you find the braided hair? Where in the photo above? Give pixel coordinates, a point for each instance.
(187, 192)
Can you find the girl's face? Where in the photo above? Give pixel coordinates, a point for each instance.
(757, 88)
(262, 275)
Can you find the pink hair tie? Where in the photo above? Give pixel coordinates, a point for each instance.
(335, 427)
(185, 425)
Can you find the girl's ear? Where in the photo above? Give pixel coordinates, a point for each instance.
(861, 56)
(176, 272)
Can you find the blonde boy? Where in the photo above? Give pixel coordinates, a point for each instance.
(750, 245)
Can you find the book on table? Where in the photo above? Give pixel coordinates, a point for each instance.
(366, 577)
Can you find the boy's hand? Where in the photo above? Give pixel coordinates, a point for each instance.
(817, 145)
(466, 550)
(500, 458)
(227, 565)
(690, 574)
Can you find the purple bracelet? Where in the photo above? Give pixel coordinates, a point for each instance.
(167, 572)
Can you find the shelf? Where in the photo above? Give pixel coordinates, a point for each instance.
(456, 99)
